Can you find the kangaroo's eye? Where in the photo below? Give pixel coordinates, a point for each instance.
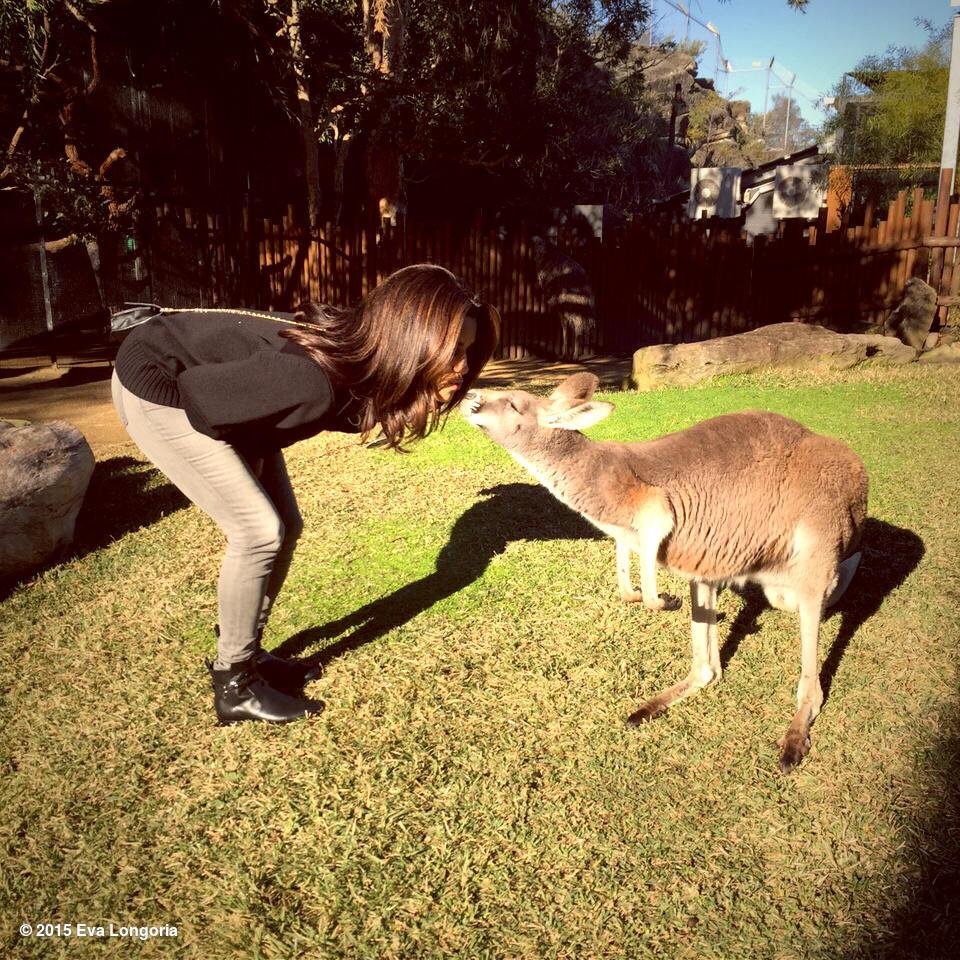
(512, 405)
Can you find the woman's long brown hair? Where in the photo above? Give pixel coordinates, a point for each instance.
(395, 348)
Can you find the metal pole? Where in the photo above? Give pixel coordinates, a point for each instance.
(766, 97)
(786, 123)
(951, 125)
(716, 69)
(44, 272)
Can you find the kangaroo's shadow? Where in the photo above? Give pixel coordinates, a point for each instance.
(890, 555)
(511, 512)
(123, 496)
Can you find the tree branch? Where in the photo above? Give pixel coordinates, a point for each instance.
(79, 16)
(53, 246)
(31, 103)
(112, 157)
(94, 66)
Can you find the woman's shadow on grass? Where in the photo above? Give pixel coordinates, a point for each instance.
(124, 495)
(890, 555)
(511, 512)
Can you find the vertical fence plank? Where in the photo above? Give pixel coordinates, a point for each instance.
(946, 282)
(941, 222)
(526, 302)
(516, 286)
(894, 233)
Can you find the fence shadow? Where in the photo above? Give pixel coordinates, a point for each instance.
(123, 496)
(511, 512)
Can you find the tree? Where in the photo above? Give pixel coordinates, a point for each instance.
(52, 48)
(496, 100)
(532, 97)
(518, 97)
(781, 130)
(890, 108)
(800, 5)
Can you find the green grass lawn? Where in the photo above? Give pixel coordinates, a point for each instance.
(471, 790)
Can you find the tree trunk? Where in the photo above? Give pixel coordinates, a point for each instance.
(384, 29)
(311, 147)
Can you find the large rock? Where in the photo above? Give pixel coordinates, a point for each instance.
(912, 319)
(948, 335)
(779, 346)
(946, 353)
(45, 469)
(883, 349)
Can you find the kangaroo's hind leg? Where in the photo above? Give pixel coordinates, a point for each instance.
(705, 668)
(796, 741)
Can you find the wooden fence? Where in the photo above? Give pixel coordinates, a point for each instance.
(209, 261)
(655, 280)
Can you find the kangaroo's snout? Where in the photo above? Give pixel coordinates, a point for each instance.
(472, 402)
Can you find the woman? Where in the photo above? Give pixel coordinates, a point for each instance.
(212, 397)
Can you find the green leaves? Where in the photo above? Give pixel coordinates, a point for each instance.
(891, 107)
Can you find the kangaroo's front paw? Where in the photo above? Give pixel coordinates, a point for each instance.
(664, 602)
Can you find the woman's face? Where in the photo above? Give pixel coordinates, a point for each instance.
(468, 333)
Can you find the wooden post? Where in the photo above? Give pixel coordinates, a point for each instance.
(939, 230)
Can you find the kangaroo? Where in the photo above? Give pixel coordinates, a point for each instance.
(744, 497)
(568, 296)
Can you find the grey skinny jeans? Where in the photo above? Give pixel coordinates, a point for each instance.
(252, 502)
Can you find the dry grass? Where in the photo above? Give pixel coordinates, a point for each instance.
(470, 790)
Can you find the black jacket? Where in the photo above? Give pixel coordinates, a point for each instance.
(235, 377)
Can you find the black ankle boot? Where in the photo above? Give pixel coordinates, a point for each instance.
(287, 676)
(240, 693)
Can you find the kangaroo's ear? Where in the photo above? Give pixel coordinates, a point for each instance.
(578, 417)
(578, 386)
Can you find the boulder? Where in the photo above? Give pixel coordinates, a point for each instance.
(884, 349)
(912, 319)
(945, 353)
(779, 346)
(45, 469)
(948, 335)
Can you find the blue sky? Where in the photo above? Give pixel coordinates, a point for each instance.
(818, 46)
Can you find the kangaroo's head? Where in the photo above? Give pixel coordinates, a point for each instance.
(512, 417)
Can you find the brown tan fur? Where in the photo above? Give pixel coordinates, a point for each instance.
(743, 497)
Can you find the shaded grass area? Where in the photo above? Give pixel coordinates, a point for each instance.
(470, 790)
